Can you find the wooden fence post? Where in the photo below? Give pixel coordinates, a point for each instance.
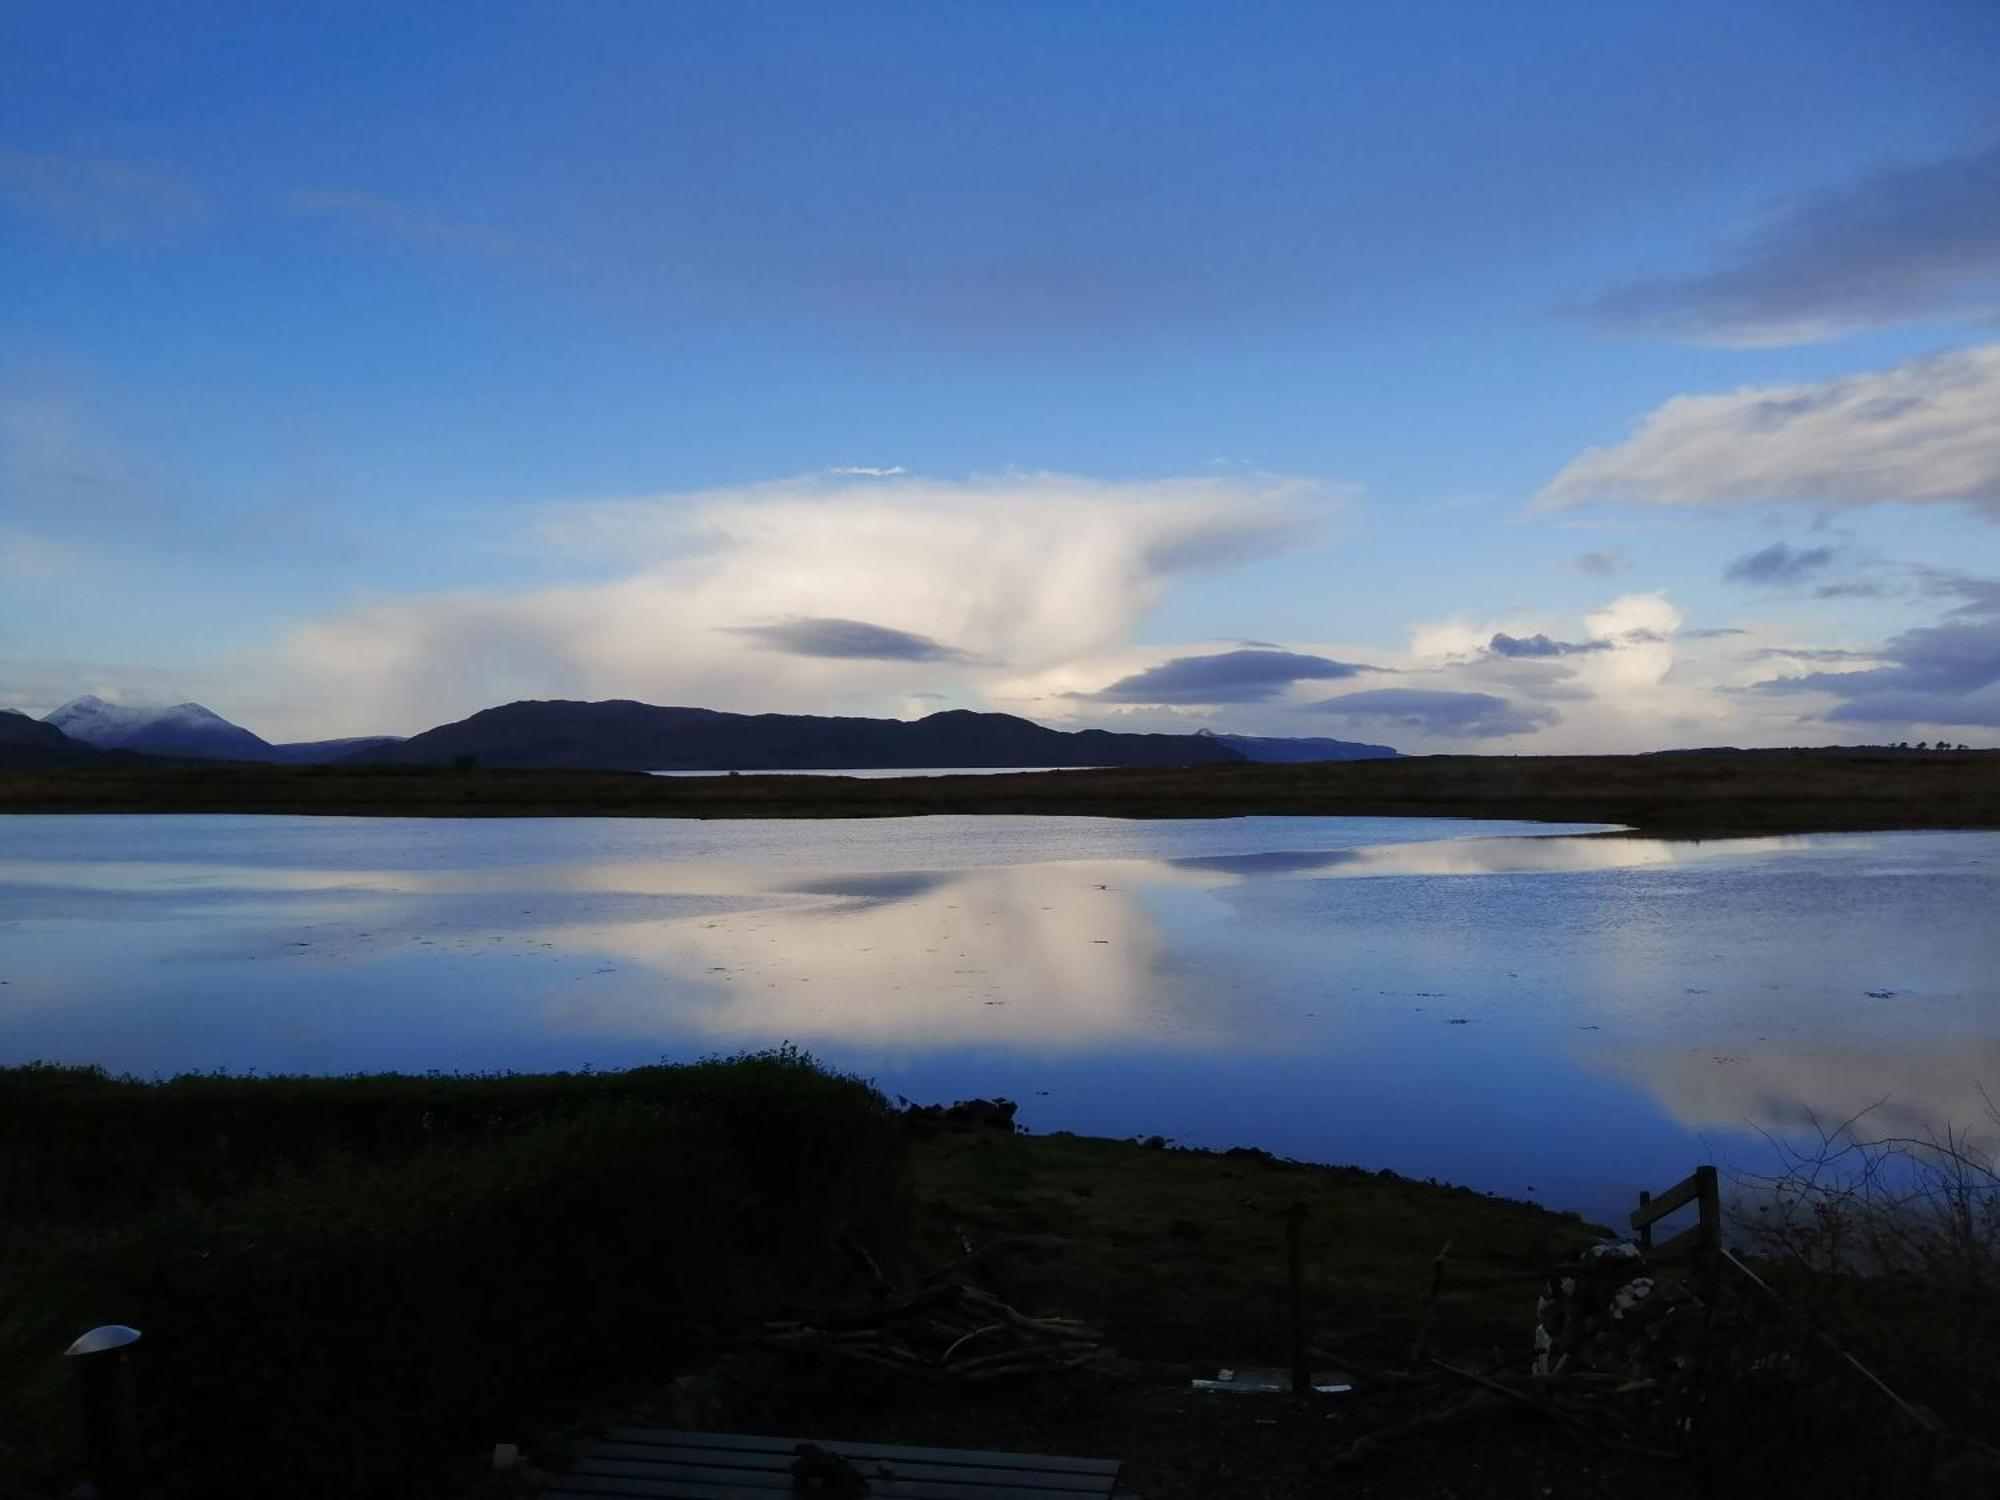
(1708, 1249)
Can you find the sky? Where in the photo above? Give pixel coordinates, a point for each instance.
(1463, 377)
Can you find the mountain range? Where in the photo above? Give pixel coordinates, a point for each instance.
(623, 735)
(631, 736)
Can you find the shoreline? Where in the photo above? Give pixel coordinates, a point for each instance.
(1718, 795)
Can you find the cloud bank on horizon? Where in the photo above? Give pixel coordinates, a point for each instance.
(303, 410)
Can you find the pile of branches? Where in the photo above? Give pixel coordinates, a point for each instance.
(1599, 1412)
(1611, 1356)
(944, 1329)
(950, 1333)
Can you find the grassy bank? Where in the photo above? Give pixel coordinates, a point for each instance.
(1180, 1255)
(1748, 792)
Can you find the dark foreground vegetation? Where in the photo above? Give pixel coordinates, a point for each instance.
(358, 1286)
(348, 1286)
(1707, 794)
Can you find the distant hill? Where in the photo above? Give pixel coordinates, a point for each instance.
(188, 729)
(1297, 752)
(327, 752)
(622, 735)
(30, 745)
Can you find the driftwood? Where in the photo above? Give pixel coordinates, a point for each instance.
(946, 1331)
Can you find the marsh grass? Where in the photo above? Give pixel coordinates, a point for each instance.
(1892, 1243)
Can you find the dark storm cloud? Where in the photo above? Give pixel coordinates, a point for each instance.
(1434, 711)
(1779, 564)
(1937, 674)
(847, 640)
(1533, 647)
(1905, 242)
(1249, 676)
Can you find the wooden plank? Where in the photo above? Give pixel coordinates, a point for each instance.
(773, 1461)
(748, 1482)
(751, 1443)
(905, 1484)
(594, 1485)
(1681, 1193)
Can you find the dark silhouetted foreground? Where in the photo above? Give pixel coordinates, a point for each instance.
(1710, 794)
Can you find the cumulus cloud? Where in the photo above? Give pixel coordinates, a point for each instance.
(1039, 571)
(1779, 564)
(847, 640)
(1249, 676)
(1915, 240)
(1538, 646)
(1919, 432)
(1440, 712)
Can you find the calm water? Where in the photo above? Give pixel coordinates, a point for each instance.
(1558, 1016)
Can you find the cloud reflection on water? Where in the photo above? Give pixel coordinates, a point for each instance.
(1041, 956)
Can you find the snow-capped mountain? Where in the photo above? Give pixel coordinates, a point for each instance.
(188, 729)
(184, 729)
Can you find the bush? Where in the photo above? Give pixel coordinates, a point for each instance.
(78, 1144)
(359, 1319)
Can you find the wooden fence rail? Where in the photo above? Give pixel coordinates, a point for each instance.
(1701, 1241)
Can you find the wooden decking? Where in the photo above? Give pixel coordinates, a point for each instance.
(662, 1465)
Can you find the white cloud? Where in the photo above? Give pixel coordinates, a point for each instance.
(1630, 679)
(1923, 432)
(1028, 572)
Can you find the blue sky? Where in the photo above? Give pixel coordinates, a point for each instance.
(360, 367)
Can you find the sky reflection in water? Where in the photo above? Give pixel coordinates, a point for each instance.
(1565, 1017)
